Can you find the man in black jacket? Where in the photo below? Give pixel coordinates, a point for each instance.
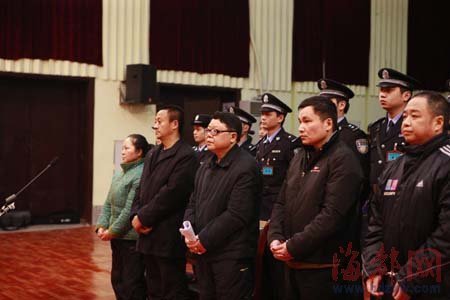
(166, 184)
(407, 251)
(223, 211)
(349, 133)
(317, 207)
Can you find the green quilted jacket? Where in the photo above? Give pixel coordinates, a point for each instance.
(116, 210)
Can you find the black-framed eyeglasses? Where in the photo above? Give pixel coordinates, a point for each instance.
(215, 132)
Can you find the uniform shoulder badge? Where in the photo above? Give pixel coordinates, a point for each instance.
(362, 145)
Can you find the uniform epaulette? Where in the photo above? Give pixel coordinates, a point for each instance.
(295, 140)
(445, 149)
(291, 137)
(377, 121)
(353, 127)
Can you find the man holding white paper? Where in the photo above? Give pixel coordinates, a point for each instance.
(223, 211)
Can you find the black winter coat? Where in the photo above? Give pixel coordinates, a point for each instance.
(166, 184)
(224, 206)
(318, 207)
(411, 213)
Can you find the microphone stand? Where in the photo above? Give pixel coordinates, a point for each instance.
(10, 201)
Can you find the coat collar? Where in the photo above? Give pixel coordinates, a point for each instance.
(128, 166)
(312, 156)
(227, 159)
(164, 154)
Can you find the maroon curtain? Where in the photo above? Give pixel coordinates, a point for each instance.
(331, 35)
(200, 36)
(51, 29)
(429, 42)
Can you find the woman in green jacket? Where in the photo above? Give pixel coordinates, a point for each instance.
(127, 272)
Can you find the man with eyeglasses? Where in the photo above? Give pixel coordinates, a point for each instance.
(223, 211)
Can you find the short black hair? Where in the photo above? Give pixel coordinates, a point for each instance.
(230, 120)
(340, 99)
(175, 112)
(323, 107)
(437, 104)
(140, 143)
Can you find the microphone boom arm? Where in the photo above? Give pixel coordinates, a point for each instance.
(9, 202)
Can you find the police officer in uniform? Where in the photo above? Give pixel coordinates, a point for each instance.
(199, 124)
(385, 137)
(349, 133)
(247, 121)
(274, 151)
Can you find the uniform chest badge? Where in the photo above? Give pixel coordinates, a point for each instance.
(391, 187)
(276, 151)
(362, 145)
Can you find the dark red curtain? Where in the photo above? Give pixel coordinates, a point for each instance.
(51, 29)
(200, 36)
(429, 42)
(331, 36)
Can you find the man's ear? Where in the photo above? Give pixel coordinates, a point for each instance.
(406, 96)
(175, 124)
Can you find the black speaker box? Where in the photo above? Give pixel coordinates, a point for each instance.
(141, 84)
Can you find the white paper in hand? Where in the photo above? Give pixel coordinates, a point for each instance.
(187, 231)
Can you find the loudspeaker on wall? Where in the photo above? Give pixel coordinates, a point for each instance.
(141, 84)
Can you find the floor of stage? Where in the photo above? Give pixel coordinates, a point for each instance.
(64, 263)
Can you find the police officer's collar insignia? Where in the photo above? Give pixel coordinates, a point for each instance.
(323, 85)
(266, 99)
(277, 138)
(197, 117)
(362, 145)
(231, 110)
(385, 74)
